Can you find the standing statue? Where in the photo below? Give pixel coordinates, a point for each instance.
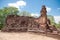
(43, 19)
(44, 22)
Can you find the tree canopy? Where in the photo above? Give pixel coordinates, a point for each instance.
(7, 11)
(25, 13)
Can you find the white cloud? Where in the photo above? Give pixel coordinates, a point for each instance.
(57, 19)
(48, 9)
(13, 5)
(35, 14)
(17, 4)
(21, 3)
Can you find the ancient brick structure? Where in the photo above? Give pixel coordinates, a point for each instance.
(15, 23)
(19, 23)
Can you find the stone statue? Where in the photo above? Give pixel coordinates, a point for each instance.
(43, 18)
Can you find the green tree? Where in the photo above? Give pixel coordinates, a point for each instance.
(6, 11)
(25, 13)
(51, 19)
(10, 10)
(58, 25)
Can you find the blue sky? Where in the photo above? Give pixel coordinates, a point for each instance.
(34, 6)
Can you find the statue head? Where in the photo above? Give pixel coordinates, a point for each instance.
(43, 6)
(43, 10)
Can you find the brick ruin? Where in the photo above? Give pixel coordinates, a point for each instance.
(15, 23)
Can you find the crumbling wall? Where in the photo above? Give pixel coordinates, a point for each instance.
(19, 23)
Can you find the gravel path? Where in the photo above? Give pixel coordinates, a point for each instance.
(24, 36)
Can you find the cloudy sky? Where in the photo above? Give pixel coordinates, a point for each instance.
(34, 6)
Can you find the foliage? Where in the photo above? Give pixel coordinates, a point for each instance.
(58, 25)
(25, 13)
(51, 19)
(10, 10)
(6, 11)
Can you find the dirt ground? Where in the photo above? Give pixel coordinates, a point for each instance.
(27, 36)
